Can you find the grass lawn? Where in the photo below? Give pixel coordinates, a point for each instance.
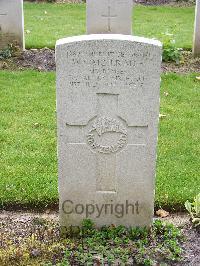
(28, 139)
(46, 23)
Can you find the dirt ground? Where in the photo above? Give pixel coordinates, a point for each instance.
(20, 224)
(176, 3)
(44, 60)
(144, 2)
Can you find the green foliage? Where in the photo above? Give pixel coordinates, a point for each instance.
(87, 224)
(170, 51)
(134, 245)
(177, 177)
(11, 50)
(28, 161)
(7, 52)
(194, 210)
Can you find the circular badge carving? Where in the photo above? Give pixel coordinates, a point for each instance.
(107, 135)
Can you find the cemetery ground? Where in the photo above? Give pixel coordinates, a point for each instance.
(29, 174)
(28, 182)
(34, 239)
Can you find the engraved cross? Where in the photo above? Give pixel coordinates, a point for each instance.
(106, 135)
(2, 14)
(109, 16)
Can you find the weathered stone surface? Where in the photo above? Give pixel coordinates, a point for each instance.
(108, 108)
(11, 23)
(109, 16)
(196, 42)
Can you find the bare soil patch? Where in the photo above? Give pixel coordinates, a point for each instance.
(187, 65)
(38, 59)
(44, 60)
(174, 3)
(143, 2)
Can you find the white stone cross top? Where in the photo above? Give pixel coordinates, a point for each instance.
(109, 16)
(11, 23)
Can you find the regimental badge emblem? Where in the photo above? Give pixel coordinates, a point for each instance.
(107, 135)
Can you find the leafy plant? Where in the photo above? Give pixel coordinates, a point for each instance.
(170, 51)
(87, 224)
(194, 210)
(11, 50)
(137, 245)
(6, 53)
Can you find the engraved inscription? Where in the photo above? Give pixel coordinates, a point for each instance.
(102, 126)
(108, 69)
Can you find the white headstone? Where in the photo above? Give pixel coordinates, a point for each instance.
(109, 16)
(11, 23)
(196, 43)
(107, 110)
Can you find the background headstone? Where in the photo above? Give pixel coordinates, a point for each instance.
(109, 16)
(108, 109)
(196, 43)
(11, 23)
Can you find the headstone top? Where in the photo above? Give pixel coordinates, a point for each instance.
(117, 37)
(11, 23)
(109, 16)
